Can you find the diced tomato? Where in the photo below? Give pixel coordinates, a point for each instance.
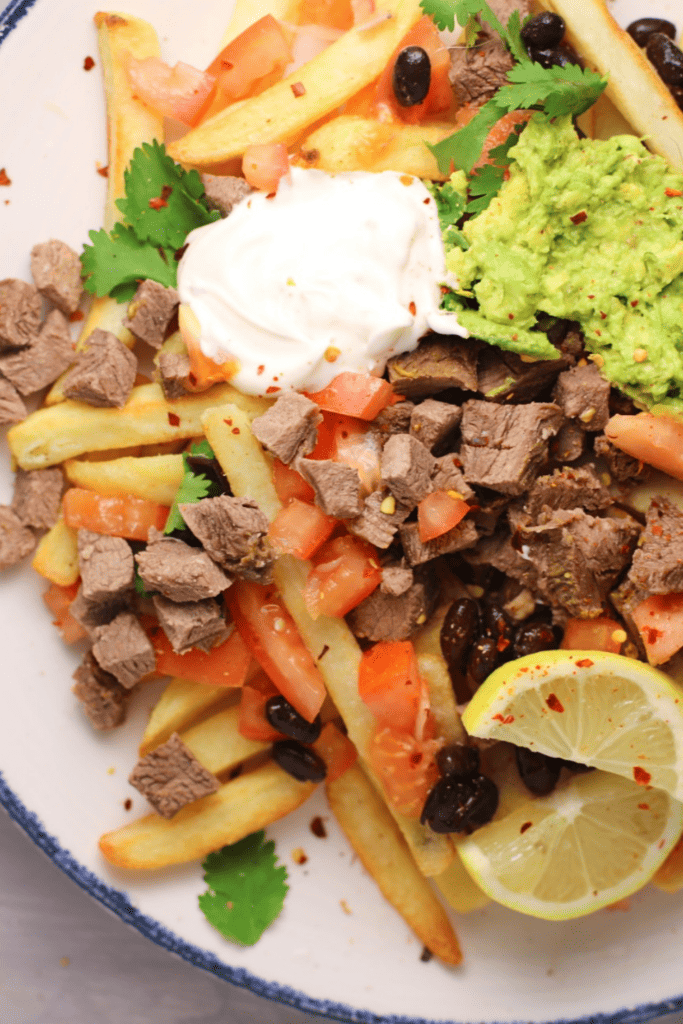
(592, 635)
(252, 721)
(440, 96)
(58, 599)
(264, 165)
(438, 513)
(128, 517)
(657, 440)
(346, 570)
(290, 484)
(331, 13)
(300, 528)
(389, 683)
(659, 619)
(272, 637)
(203, 371)
(406, 768)
(180, 92)
(353, 442)
(355, 394)
(336, 750)
(225, 665)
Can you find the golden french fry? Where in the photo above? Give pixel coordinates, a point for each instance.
(377, 840)
(459, 889)
(241, 456)
(154, 477)
(56, 556)
(242, 806)
(179, 706)
(669, 878)
(217, 743)
(280, 115)
(434, 671)
(603, 120)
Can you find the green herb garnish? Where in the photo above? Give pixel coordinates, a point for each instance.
(193, 487)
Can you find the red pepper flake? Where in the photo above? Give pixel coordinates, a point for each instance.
(228, 423)
(579, 218)
(77, 315)
(272, 390)
(299, 89)
(525, 826)
(426, 202)
(88, 64)
(603, 316)
(271, 195)
(103, 171)
(641, 776)
(508, 720)
(444, 290)
(4, 180)
(317, 827)
(554, 703)
(673, 192)
(260, 369)
(173, 419)
(127, 804)
(502, 643)
(511, 316)
(160, 201)
(599, 334)
(584, 663)
(657, 530)
(644, 807)
(653, 635)
(179, 253)
(634, 303)
(590, 296)
(235, 430)
(412, 309)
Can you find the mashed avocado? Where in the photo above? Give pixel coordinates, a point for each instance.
(589, 231)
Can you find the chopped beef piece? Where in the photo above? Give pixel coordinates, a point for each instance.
(234, 531)
(432, 421)
(379, 520)
(504, 446)
(478, 72)
(436, 364)
(122, 648)
(174, 373)
(20, 311)
(487, 510)
(56, 272)
(506, 377)
(102, 696)
(499, 552)
(93, 614)
(104, 372)
(657, 566)
(289, 427)
(579, 557)
(48, 354)
(171, 777)
(224, 190)
(622, 466)
(150, 312)
(106, 565)
(179, 571)
(569, 443)
(583, 395)
(394, 419)
(37, 497)
(383, 616)
(191, 623)
(397, 578)
(568, 488)
(464, 535)
(625, 600)
(406, 469)
(504, 9)
(16, 539)
(12, 408)
(447, 476)
(336, 486)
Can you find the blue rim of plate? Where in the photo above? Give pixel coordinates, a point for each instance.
(119, 904)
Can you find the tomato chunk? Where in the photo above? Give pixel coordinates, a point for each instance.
(659, 619)
(252, 721)
(225, 665)
(351, 441)
(592, 635)
(300, 528)
(336, 750)
(438, 513)
(406, 768)
(346, 570)
(290, 484)
(273, 639)
(389, 683)
(657, 440)
(203, 371)
(180, 92)
(58, 600)
(128, 517)
(355, 394)
(264, 165)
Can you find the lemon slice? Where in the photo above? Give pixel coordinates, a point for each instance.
(604, 710)
(591, 842)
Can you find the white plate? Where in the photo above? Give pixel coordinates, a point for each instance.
(66, 786)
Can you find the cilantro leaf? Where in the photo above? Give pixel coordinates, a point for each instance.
(462, 149)
(116, 262)
(193, 487)
(450, 204)
(246, 889)
(485, 184)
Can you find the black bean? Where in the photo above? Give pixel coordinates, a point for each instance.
(458, 759)
(533, 637)
(283, 717)
(483, 659)
(557, 57)
(497, 626)
(458, 630)
(412, 76)
(544, 31)
(538, 772)
(666, 57)
(643, 28)
(300, 762)
(460, 805)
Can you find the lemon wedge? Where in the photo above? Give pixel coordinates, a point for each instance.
(604, 710)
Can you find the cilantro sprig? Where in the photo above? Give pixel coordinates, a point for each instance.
(246, 889)
(193, 487)
(162, 204)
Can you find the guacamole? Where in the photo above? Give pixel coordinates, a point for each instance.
(589, 231)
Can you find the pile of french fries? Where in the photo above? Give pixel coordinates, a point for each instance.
(136, 451)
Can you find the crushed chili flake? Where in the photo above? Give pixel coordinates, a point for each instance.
(426, 955)
(299, 89)
(673, 192)
(579, 218)
(584, 663)
(228, 423)
(653, 635)
(511, 316)
(179, 253)
(160, 201)
(525, 826)
(657, 530)
(634, 303)
(644, 807)
(554, 703)
(508, 720)
(174, 419)
(272, 390)
(412, 308)
(641, 776)
(298, 856)
(77, 315)
(88, 64)
(235, 430)
(103, 171)
(603, 316)
(127, 804)
(317, 827)
(260, 369)
(4, 180)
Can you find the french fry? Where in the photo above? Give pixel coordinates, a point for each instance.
(240, 807)
(278, 115)
(179, 706)
(434, 671)
(56, 556)
(459, 889)
(154, 477)
(246, 12)
(218, 744)
(377, 840)
(227, 431)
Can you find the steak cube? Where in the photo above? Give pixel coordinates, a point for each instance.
(102, 696)
(234, 531)
(432, 421)
(336, 486)
(122, 648)
(406, 469)
(179, 571)
(37, 497)
(20, 311)
(16, 539)
(191, 623)
(583, 394)
(48, 354)
(106, 565)
(224, 190)
(174, 373)
(657, 566)
(464, 535)
(56, 271)
(150, 312)
(12, 408)
(436, 364)
(171, 777)
(104, 372)
(289, 427)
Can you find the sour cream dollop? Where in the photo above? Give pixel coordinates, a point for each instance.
(331, 273)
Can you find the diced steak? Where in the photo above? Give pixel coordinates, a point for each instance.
(464, 535)
(393, 419)
(336, 486)
(103, 373)
(191, 623)
(499, 552)
(16, 539)
(583, 394)
(171, 777)
(478, 72)
(234, 531)
(569, 443)
(568, 488)
(383, 616)
(37, 497)
(103, 698)
(438, 363)
(657, 566)
(12, 408)
(93, 614)
(20, 311)
(379, 519)
(150, 312)
(504, 446)
(179, 571)
(289, 427)
(447, 476)
(397, 578)
(432, 421)
(406, 469)
(174, 373)
(623, 467)
(48, 354)
(56, 271)
(106, 566)
(504, 9)
(223, 191)
(122, 648)
(506, 377)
